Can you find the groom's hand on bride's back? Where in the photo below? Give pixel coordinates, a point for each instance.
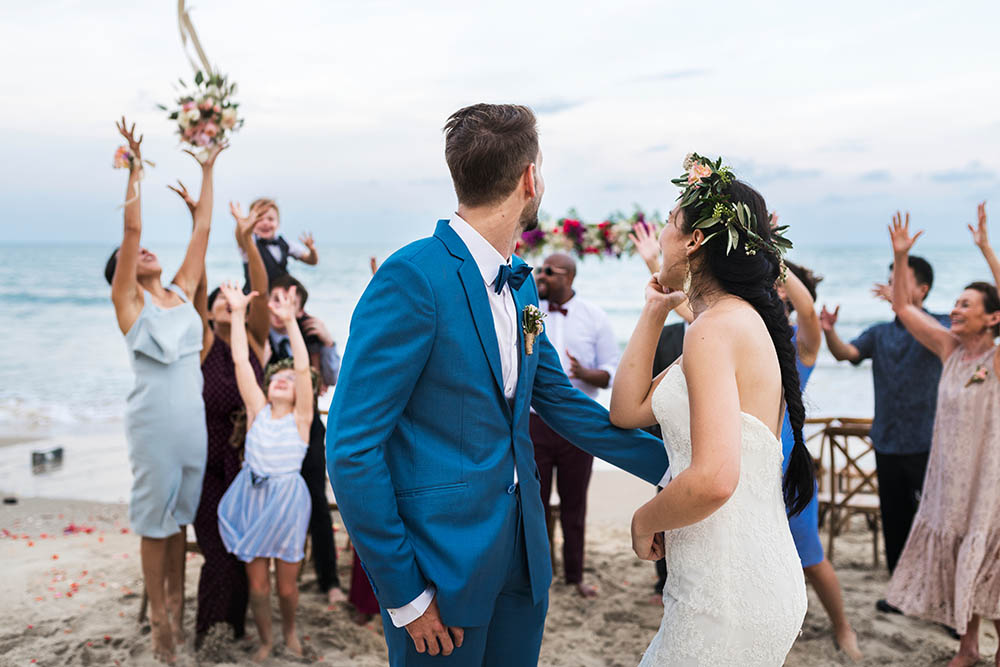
(431, 635)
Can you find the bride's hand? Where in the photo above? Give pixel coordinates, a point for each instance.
(647, 547)
(657, 294)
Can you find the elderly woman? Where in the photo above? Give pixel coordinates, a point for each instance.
(949, 571)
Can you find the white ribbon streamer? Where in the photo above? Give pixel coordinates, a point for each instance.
(186, 28)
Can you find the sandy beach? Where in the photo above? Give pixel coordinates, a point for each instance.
(72, 594)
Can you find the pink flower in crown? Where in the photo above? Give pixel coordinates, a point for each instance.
(698, 173)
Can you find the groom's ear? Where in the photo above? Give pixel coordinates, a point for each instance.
(528, 179)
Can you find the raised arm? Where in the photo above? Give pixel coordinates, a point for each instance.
(810, 334)
(982, 241)
(840, 350)
(311, 257)
(716, 436)
(632, 391)
(126, 294)
(284, 307)
(201, 291)
(928, 331)
(189, 274)
(259, 317)
(246, 381)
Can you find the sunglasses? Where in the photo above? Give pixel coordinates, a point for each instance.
(549, 271)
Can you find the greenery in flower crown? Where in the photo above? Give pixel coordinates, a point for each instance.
(704, 188)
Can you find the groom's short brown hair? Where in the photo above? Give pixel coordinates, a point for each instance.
(488, 147)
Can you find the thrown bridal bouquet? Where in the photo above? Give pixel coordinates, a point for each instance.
(205, 113)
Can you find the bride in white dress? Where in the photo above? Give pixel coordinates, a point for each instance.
(735, 593)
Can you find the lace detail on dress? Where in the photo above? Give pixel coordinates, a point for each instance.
(735, 592)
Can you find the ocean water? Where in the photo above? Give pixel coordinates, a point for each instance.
(64, 368)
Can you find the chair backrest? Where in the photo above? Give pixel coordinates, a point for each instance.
(850, 459)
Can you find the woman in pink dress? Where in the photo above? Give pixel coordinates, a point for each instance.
(949, 571)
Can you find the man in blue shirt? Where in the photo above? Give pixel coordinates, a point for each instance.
(905, 375)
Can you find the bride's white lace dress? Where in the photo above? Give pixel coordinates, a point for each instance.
(735, 593)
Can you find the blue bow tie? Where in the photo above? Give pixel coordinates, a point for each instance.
(513, 277)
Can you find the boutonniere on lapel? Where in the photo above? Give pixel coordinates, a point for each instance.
(531, 322)
(979, 376)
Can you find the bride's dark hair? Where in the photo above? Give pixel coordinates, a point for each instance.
(752, 277)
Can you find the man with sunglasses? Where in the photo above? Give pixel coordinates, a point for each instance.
(581, 334)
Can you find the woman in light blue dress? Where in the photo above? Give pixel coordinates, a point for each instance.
(164, 416)
(265, 512)
(799, 294)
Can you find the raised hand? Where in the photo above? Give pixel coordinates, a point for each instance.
(882, 291)
(645, 237)
(238, 301)
(283, 304)
(660, 295)
(827, 320)
(306, 239)
(979, 235)
(213, 153)
(899, 233)
(134, 144)
(183, 193)
(244, 223)
(774, 219)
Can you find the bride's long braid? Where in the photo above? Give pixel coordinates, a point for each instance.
(752, 277)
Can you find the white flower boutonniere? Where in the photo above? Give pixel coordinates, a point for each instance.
(531, 321)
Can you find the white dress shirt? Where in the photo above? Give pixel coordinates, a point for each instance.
(584, 332)
(505, 321)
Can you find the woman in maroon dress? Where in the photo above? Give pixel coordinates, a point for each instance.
(222, 585)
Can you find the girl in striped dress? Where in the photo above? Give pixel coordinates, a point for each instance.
(265, 512)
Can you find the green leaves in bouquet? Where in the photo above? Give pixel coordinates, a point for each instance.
(198, 78)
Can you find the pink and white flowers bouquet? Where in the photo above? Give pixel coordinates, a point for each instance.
(608, 238)
(205, 113)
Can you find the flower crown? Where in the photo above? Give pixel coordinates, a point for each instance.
(703, 183)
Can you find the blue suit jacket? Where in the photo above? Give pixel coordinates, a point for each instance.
(422, 444)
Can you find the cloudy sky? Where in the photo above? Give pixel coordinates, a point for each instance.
(838, 113)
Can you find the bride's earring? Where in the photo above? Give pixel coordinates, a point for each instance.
(686, 287)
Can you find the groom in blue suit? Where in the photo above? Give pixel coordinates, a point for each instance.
(428, 446)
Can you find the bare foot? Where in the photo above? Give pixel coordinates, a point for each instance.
(262, 653)
(847, 642)
(964, 659)
(586, 590)
(293, 645)
(335, 596)
(163, 642)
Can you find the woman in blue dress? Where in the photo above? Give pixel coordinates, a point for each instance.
(799, 294)
(164, 416)
(265, 512)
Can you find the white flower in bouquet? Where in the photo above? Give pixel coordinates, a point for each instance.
(228, 118)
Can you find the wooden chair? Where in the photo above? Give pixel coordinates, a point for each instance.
(848, 488)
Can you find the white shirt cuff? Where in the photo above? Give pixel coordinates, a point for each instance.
(405, 615)
(666, 478)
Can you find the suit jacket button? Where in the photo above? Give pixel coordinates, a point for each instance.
(511, 489)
